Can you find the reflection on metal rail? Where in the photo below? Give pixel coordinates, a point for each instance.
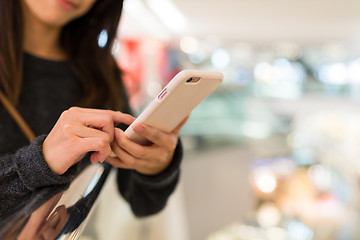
(57, 213)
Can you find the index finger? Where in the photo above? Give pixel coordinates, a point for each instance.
(125, 118)
(117, 116)
(104, 120)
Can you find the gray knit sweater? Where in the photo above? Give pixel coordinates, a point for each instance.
(49, 88)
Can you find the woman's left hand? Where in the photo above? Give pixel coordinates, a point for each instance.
(148, 160)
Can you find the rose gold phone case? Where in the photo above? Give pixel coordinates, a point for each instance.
(176, 101)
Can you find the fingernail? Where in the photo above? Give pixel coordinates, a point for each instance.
(112, 154)
(92, 160)
(139, 128)
(102, 157)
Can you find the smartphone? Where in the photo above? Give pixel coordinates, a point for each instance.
(176, 101)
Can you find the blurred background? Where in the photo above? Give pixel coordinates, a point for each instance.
(274, 152)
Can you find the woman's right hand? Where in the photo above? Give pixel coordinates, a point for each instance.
(79, 131)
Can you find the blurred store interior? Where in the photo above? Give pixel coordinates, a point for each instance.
(274, 152)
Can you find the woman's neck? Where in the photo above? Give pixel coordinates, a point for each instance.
(40, 39)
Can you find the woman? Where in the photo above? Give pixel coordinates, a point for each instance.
(50, 62)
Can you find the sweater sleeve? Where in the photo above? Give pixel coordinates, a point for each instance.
(148, 195)
(25, 171)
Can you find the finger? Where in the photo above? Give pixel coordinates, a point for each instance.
(123, 144)
(139, 152)
(105, 122)
(99, 121)
(87, 132)
(119, 163)
(100, 147)
(124, 156)
(116, 116)
(123, 118)
(98, 157)
(128, 150)
(82, 117)
(156, 136)
(140, 166)
(181, 124)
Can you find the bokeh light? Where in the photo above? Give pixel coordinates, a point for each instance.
(188, 45)
(220, 58)
(334, 73)
(268, 215)
(103, 38)
(265, 180)
(353, 70)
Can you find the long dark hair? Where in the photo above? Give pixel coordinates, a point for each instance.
(93, 65)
